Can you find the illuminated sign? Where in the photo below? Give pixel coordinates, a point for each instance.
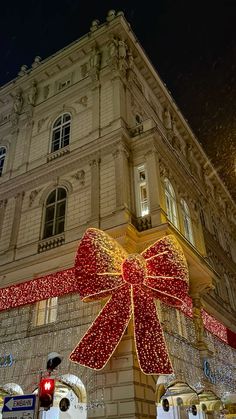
(6, 360)
(208, 372)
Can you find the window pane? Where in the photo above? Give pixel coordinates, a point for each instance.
(48, 230)
(51, 197)
(61, 206)
(59, 227)
(58, 122)
(1, 164)
(66, 117)
(61, 193)
(142, 175)
(2, 151)
(50, 213)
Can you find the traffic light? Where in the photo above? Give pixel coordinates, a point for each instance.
(46, 391)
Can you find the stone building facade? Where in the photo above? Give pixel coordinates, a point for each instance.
(91, 137)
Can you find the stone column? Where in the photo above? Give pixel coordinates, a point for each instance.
(154, 186)
(95, 192)
(122, 185)
(199, 325)
(16, 220)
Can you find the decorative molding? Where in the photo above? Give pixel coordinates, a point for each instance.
(33, 195)
(59, 153)
(51, 243)
(80, 176)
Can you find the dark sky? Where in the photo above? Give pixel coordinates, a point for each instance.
(191, 43)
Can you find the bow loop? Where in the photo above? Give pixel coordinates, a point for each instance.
(98, 265)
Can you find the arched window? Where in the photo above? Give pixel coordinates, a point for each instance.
(61, 132)
(188, 230)
(55, 208)
(171, 206)
(2, 158)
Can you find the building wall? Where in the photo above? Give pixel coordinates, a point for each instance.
(122, 118)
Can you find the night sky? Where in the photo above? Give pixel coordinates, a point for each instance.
(192, 44)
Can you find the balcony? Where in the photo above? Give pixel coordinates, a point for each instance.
(51, 243)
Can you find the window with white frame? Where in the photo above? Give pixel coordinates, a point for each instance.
(2, 158)
(45, 311)
(187, 222)
(54, 213)
(61, 132)
(171, 206)
(142, 191)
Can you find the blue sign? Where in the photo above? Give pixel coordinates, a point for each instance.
(6, 360)
(19, 403)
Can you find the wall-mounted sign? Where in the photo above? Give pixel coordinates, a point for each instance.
(6, 360)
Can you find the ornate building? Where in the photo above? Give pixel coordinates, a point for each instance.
(91, 137)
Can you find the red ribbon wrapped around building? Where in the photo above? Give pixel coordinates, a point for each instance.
(133, 282)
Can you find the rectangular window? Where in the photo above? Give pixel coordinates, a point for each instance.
(141, 191)
(45, 312)
(181, 324)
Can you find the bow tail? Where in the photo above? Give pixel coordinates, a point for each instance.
(149, 339)
(100, 341)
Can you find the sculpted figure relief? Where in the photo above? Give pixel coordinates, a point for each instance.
(18, 102)
(94, 63)
(33, 92)
(113, 47)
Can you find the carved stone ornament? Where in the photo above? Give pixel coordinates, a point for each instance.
(167, 119)
(32, 196)
(94, 25)
(80, 176)
(84, 70)
(41, 123)
(118, 57)
(94, 63)
(83, 101)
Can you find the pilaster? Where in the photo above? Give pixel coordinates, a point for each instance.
(154, 186)
(95, 192)
(119, 102)
(16, 220)
(121, 156)
(3, 205)
(96, 105)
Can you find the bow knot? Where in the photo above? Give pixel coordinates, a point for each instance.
(133, 282)
(134, 269)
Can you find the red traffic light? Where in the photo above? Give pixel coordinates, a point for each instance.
(46, 392)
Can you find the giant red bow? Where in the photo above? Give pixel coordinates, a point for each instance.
(103, 268)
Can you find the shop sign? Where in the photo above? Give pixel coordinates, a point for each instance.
(210, 375)
(6, 360)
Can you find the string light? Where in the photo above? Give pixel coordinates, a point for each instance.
(160, 272)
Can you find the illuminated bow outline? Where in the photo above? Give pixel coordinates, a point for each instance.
(133, 282)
